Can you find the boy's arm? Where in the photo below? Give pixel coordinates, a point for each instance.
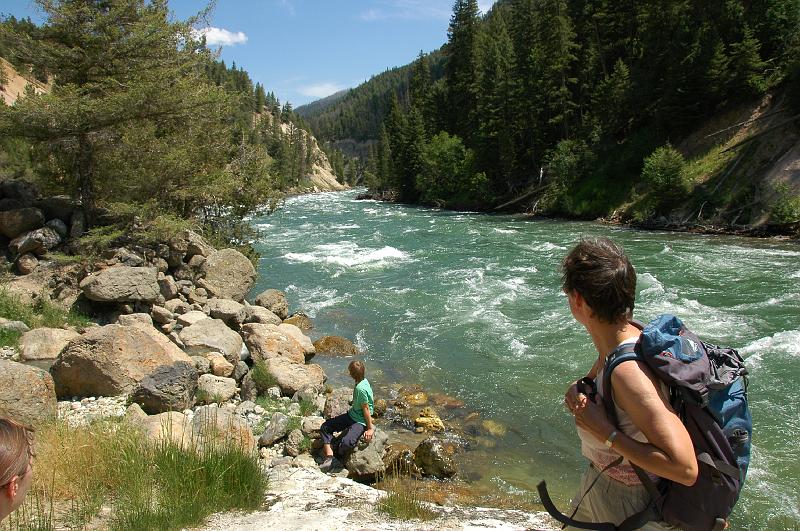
(370, 426)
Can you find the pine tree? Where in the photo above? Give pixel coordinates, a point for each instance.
(461, 68)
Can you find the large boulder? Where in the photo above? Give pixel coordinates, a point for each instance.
(366, 459)
(292, 377)
(274, 301)
(338, 402)
(171, 426)
(228, 274)
(21, 220)
(276, 429)
(44, 343)
(27, 394)
(294, 442)
(219, 427)
(311, 426)
(215, 388)
(230, 311)
(336, 346)
(300, 320)
(111, 360)
(212, 335)
(8, 325)
(259, 314)
(36, 241)
(434, 459)
(295, 333)
(122, 284)
(58, 206)
(266, 341)
(168, 388)
(23, 191)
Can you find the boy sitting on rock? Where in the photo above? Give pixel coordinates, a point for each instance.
(354, 423)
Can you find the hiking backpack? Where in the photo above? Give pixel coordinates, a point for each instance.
(708, 391)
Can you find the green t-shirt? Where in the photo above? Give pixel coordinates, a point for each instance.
(362, 394)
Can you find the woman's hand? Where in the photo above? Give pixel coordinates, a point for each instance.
(574, 398)
(591, 416)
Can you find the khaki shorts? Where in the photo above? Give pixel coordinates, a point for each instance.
(612, 501)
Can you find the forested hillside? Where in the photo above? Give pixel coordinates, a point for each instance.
(142, 124)
(577, 108)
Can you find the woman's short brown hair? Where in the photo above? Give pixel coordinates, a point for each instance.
(16, 450)
(600, 271)
(356, 369)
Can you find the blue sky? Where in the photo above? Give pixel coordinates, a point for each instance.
(307, 49)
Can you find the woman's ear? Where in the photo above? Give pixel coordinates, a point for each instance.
(10, 489)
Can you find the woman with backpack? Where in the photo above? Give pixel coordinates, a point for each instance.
(600, 284)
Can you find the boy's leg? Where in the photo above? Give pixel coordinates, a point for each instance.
(329, 427)
(350, 439)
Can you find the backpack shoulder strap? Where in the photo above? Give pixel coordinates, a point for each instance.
(621, 354)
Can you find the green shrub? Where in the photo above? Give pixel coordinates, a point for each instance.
(307, 407)
(9, 338)
(262, 377)
(42, 313)
(786, 208)
(663, 173)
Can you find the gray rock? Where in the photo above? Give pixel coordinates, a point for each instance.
(291, 377)
(228, 274)
(276, 429)
(266, 341)
(19, 221)
(240, 370)
(111, 360)
(27, 264)
(168, 388)
(230, 311)
(36, 241)
(274, 392)
(7, 204)
(59, 226)
(177, 306)
(161, 315)
(191, 317)
(58, 207)
(27, 394)
(13, 326)
(248, 389)
(311, 426)
(122, 284)
(19, 189)
(216, 388)
(188, 244)
(212, 335)
(338, 402)
(161, 265)
(197, 261)
(44, 343)
(433, 459)
(274, 301)
(168, 287)
(245, 408)
(176, 340)
(202, 364)
(293, 442)
(135, 319)
(366, 460)
(259, 314)
(184, 273)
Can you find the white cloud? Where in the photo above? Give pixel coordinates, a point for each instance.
(287, 4)
(409, 10)
(320, 90)
(220, 36)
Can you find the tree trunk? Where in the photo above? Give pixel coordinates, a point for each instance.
(86, 178)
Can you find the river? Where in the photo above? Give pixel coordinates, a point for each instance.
(471, 305)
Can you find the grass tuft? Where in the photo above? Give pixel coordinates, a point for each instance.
(165, 485)
(42, 313)
(262, 378)
(307, 407)
(403, 502)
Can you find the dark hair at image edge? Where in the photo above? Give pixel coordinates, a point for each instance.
(599, 270)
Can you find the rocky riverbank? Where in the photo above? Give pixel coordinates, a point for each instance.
(174, 347)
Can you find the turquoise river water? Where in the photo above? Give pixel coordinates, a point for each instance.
(470, 305)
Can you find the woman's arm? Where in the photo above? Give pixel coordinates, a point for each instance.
(670, 452)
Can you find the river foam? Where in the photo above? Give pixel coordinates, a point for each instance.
(350, 255)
